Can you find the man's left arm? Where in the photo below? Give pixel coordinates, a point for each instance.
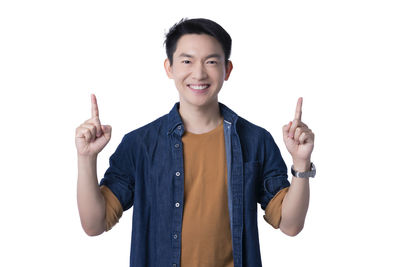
(299, 141)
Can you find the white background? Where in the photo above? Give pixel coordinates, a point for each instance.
(341, 56)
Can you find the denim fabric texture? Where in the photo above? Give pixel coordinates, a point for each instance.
(146, 172)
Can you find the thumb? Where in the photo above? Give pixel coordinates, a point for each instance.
(286, 128)
(106, 130)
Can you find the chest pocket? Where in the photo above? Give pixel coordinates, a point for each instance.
(251, 174)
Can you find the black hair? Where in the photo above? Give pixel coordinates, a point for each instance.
(197, 26)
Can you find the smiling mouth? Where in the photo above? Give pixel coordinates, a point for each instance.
(198, 86)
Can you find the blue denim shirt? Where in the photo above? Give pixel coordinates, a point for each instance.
(146, 171)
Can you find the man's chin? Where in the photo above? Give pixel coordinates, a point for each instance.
(200, 103)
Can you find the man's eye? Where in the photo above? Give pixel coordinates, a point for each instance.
(212, 62)
(185, 61)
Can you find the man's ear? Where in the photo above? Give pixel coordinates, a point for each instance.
(167, 68)
(229, 68)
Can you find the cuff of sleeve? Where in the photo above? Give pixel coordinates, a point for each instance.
(273, 211)
(113, 207)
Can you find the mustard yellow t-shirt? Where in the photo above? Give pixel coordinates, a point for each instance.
(206, 233)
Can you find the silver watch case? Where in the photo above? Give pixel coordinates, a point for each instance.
(309, 174)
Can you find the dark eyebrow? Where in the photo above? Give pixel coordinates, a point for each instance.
(218, 56)
(207, 57)
(185, 55)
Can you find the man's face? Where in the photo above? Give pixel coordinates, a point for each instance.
(198, 69)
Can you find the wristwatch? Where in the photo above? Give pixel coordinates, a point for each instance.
(309, 174)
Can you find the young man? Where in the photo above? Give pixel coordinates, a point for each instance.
(196, 174)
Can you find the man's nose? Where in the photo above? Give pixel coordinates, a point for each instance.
(199, 72)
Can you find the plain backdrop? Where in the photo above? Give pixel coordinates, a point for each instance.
(342, 57)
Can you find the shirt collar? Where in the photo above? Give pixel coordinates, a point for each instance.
(174, 118)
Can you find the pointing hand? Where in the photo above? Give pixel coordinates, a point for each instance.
(91, 137)
(298, 138)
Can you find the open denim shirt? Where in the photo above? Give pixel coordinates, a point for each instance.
(146, 171)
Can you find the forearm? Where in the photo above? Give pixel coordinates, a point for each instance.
(91, 202)
(295, 205)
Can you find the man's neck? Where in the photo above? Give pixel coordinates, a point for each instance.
(200, 120)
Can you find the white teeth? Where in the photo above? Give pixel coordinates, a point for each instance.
(198, 87)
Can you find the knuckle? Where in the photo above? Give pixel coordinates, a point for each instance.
(80, 131)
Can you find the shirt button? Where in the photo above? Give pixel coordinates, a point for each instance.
(175, 236)
(177, 204)
(177, 173)
(174, 265)
(176, 145)
(179, 127)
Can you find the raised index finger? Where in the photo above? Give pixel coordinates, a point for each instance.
(95, 109)
(298, 109)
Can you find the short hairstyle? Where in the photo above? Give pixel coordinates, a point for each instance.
(197, 26)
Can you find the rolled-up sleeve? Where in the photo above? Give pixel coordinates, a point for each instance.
(273, 212)
(119, 176)
(274, 181)
(113, 207)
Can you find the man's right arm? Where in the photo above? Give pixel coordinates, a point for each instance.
(91, 203)
(90, 138)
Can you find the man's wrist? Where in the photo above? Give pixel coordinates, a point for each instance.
(302, 166)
